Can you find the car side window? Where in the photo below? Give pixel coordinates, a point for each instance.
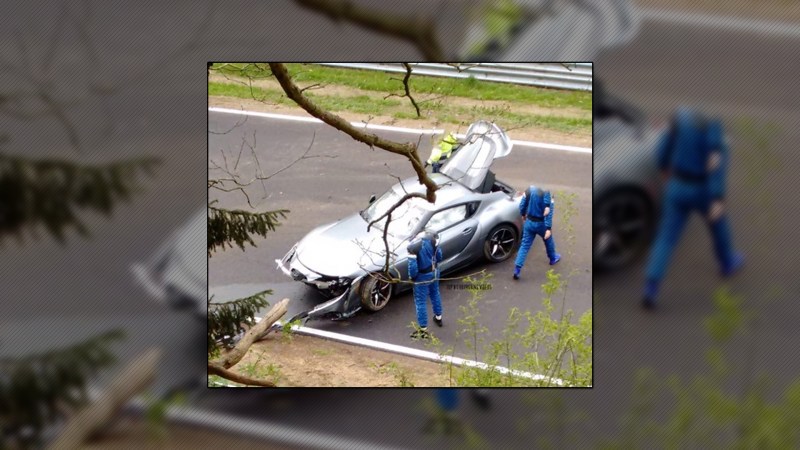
(446, 218)
(472, 208)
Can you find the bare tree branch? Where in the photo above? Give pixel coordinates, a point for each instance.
(408, 92)
(214, 369)
(418, 31)
(409, 150)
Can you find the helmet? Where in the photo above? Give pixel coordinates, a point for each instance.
(416, 244)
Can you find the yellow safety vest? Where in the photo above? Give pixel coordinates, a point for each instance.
(444, 149)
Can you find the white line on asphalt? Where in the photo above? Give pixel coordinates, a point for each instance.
(259, 429)
(779, 29)
(568, 148)
(416, 353)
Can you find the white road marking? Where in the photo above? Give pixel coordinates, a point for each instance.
(568, 148)
(740, 24)
(260, 429)
(416, 353)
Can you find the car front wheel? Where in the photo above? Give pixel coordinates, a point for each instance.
(622, 228)
(500, 243)
(376, 291)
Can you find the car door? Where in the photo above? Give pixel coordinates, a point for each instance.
(484, 143)
(456, 229)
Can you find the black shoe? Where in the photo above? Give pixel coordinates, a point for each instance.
(421, 333)
(482, 400)
(438, 321)
(649, 303)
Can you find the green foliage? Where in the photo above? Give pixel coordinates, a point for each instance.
(156, 413)
(228, 227)
(400, 374)
(36, 390)
(48, 192)
(226, 320)
(498, 18)
(551, 343)
(704, 411)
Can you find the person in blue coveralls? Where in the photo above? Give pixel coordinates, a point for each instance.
(448, 400)
(536, 209)
(423, 271)
(693, 157)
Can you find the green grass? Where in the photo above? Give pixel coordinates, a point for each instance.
(307, 74)
(241, 91)
(449, 114)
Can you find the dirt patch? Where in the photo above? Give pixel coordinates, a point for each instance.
(129, 433)
(313, 362)
(529, 133)
(782, 10)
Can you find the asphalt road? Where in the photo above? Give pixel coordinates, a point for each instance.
(338, 183)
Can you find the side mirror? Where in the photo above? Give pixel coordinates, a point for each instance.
(371, 198)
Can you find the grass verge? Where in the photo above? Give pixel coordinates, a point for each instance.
(372, 80)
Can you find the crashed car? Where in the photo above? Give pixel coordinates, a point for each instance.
(475, 215)
(626, 181)
(177, 273)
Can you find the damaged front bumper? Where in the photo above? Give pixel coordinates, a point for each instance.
(344, 304)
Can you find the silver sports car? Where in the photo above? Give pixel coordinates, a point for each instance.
(475, 215)
(626, 185)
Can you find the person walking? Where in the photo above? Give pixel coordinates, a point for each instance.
(536, 208)
(693, 157)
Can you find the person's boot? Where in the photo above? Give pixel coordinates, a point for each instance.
(556, 259)
(650, 293)
(481, 398)
(736, 263)
(421, 333)
(438, 320)
(517, 269)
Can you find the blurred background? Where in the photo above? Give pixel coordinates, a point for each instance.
(95, 83)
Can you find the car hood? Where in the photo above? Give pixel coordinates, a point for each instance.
(345, 248)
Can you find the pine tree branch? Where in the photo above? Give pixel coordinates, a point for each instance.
(226, 227)
(225, 320)
(47, 192)
(233, 357)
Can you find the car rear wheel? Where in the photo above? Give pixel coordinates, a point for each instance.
(376, 291)
(623, 225)
(500, 243)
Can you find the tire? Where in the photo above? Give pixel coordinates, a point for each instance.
(500, 243)
(622, 228)
(375, 292)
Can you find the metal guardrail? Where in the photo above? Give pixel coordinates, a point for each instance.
(573, 76)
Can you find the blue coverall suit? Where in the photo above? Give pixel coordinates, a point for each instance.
(693, 185)
(536, 223)
(426, 281)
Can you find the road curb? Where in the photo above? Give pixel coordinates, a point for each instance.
(257, 429)
(415, 353)
(370, 126)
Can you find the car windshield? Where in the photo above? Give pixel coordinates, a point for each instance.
(405, 218)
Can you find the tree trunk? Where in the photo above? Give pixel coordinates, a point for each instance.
(95, 416)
